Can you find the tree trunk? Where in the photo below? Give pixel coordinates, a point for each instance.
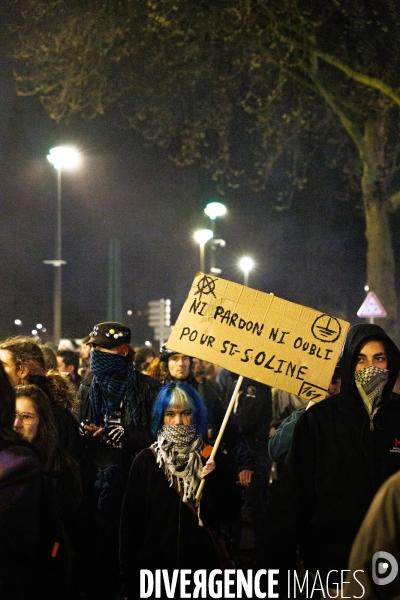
(380, 256)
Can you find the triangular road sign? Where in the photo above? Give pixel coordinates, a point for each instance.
(371, 307)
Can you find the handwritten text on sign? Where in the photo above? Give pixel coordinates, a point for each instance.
(260, 336)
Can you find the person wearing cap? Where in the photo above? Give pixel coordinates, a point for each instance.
(116, 399)
(342, 450)
(115, 404)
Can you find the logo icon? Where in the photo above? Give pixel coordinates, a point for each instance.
(206, 286)
(380, 566)
(326, 329)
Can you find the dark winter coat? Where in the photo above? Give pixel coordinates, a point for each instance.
(20, 497)
(252, 410)
(336, 463)
(158, 531)
(105, 471)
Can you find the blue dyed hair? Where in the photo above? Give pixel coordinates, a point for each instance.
(179, 395)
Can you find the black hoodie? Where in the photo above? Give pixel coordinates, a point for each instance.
(337, 461)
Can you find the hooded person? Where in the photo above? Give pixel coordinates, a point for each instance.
(341, 452)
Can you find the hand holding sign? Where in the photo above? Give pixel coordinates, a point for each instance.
(260, 336)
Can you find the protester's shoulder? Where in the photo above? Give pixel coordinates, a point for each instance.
(87, 381)
(148, 384)
(323, 411)
(144, 458)
(23, 451)
(208, 391)
(391, 405)
(17, 457)
(293, 417)
(147, 379)
(391, 487)
(332, 403)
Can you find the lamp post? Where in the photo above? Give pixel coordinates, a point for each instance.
(214, 210)
(61, 157)
(246, 264)
(202, 236)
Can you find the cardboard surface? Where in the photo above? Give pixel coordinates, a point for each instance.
(260, 336)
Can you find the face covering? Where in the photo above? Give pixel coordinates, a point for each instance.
(370, 383)
(114, 383)
(178, 449)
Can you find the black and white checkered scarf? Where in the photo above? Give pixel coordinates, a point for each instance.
(178, 449)
(370, 383)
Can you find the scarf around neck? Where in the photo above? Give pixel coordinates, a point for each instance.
(114, 383)
(178, 451)
(370, 383)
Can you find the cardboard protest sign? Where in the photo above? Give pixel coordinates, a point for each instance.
(260, 336)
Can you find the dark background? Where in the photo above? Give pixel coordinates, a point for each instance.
(313, 254)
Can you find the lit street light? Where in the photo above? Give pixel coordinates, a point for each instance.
(214, 210)
(202, 236)
(61, 157)
(246, 264)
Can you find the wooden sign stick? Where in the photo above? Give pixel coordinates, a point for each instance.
(221, 431)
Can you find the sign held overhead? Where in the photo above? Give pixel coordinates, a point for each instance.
(371, 307)
(260, 336)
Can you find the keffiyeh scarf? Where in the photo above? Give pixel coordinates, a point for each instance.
(370, 383)
(178, 451)
(114, 381)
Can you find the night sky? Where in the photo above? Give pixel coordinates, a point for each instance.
(313, 254)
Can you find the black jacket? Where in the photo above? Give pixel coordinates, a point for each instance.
(20, 501)
(336, 463)
(158, 531)
(253, 410)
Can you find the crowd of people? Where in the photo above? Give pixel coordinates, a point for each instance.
(103, 448)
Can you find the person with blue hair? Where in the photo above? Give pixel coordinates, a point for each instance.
(182, 395)
(163, 526)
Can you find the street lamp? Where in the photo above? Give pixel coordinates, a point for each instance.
(214, 245)
(246, 264)
(214, 210)
(202, 236)
(61, 157)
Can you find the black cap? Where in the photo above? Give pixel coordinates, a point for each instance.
(165, 353)
(109, 335)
